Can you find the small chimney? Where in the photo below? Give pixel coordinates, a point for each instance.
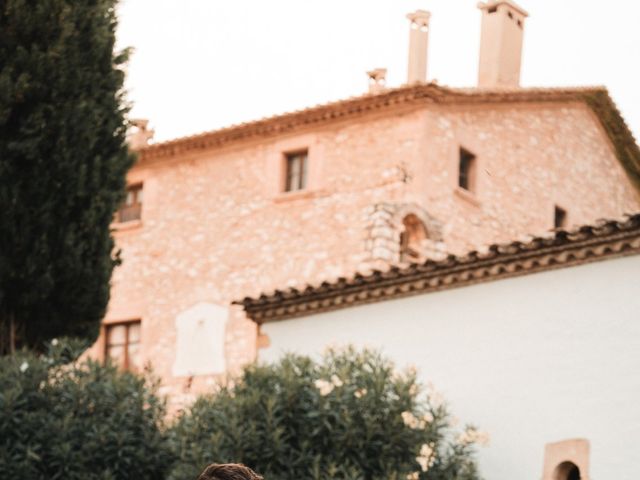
(139, 134)
(418, 42)
(377, 80)
(501, 44)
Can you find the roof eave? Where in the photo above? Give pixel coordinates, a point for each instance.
(586, 244)
(597, 98)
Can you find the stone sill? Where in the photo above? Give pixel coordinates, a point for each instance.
(467, 196)
(296, 195)
(126, 226)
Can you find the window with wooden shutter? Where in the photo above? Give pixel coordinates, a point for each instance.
(296, 171)
(123, 344)
(131, 208)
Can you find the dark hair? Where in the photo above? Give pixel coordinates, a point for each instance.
(228, 471)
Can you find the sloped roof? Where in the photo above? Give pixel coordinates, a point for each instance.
(608, 239)
(597, 98)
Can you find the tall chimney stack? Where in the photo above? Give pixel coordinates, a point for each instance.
(501, 44)
(418, 43)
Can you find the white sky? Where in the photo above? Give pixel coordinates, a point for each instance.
(204, 64)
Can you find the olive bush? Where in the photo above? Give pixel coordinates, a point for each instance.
(350, 415)
(61, 418)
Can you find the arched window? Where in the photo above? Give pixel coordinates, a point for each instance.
(566, 471)
(566, 460)
(412, 238)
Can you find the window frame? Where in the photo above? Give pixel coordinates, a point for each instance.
(137, 189)
(467, 170)
(126, 364)
(300, 181)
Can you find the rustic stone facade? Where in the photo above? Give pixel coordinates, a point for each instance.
(386, 226)
(216, 225)
(558, 249)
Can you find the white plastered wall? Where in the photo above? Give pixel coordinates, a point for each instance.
(200, 340)
(531, 359)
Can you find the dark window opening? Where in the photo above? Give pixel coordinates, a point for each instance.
(574, 474)
(567, 471)
(466, 170)
(296, 171)
(493, 10)
(131, 208)
(520, 23)
(123, 344)
(559, 217)
(510, 15)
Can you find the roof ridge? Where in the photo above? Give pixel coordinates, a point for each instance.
(467, 91)
(407, 96)
(446, 88)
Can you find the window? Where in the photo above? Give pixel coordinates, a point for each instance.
(559, 217)
(131, 208)
(296, 171)
(123, 344)
(467, 170)
(412, 238)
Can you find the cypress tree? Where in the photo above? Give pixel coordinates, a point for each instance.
(63, 161)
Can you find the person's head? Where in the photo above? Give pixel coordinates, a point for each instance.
(228, 471)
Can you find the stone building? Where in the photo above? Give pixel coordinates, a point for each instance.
(395, 176)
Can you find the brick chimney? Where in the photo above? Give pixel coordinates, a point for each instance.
(418, 42)
(500, 43)
(377, 80)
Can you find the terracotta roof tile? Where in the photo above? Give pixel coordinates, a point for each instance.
(597, 98)
(589, 243)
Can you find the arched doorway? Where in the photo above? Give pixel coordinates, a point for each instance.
(566, 471)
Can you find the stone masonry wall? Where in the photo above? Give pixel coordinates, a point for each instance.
(530, 158)
(216, 227)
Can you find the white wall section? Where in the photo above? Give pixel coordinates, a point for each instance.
(200, 340)
(531, 359)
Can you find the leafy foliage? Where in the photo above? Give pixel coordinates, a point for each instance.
(347, 417)
(63, 160)
(78, 420)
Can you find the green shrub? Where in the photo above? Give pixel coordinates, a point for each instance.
(349, 416)
(64, 419)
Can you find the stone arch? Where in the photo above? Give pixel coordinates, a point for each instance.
(402, 232)
(413, 235)
(566, 460)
